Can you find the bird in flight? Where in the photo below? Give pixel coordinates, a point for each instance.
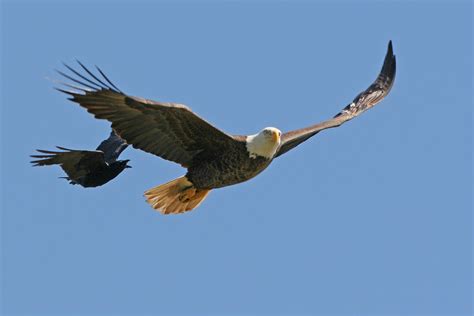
(88, 168)
(212, 157)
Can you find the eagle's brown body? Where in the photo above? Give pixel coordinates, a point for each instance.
(231, 167)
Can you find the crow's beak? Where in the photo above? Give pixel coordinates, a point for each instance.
(126, 161)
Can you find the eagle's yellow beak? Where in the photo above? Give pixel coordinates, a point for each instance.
(276, 136)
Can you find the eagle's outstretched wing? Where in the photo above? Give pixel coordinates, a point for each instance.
(364, 101)
(112, 147)
(76, 163)
(169, 130)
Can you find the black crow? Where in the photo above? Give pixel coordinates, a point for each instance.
(89, 168)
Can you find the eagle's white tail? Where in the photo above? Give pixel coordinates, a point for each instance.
(174, 197)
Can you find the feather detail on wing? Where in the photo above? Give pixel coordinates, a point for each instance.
(169, 130)
(364, 101)
(112, 147)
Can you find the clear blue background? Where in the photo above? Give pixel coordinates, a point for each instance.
(372, 218)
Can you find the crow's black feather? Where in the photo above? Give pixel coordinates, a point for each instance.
(87, 168)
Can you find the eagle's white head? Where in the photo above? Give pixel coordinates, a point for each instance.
(265, 143)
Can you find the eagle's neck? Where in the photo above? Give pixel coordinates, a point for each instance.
(261, 145)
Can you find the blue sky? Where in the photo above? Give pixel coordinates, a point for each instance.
(372, 218)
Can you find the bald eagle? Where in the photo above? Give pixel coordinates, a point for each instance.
(213, 158)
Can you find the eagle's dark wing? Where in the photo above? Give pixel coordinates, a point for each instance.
(112, 147)
(76, 163)
(364, 101)
(169, 130)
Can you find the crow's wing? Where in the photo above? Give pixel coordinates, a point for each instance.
(76, 163)
(112, 147)
(364, 101)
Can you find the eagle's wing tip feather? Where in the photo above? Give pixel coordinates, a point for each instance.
(87, 80)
